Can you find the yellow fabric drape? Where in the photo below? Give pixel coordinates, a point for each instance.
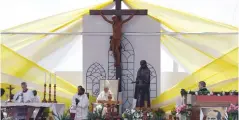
(223, 68)
(191, 50)
(180, 21)
(15, 65)
(200, 50)
(50, 24)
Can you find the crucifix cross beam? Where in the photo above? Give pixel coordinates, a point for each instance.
(118, 11)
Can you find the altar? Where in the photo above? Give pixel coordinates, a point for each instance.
(31, 110)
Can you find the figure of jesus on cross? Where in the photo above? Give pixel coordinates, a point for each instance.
(117, 23)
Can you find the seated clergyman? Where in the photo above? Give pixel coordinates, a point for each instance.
(24, 96)
(202, 88)
(104, 95)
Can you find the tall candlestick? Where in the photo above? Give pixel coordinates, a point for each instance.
(49, 100)
(55, 94)
(44, 97)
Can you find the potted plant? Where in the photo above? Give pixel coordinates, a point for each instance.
(137, 114)
(173, 113)
(232, 112)
(159, 114)
(184, 111)
(97, 114)
(64, 116)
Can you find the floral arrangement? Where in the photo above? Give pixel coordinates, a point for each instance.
(97, 114)
(232, 112)
(137, 114)
(159, 114)
(207, 92)
(8, 118)
(184, 110)
(173, 112)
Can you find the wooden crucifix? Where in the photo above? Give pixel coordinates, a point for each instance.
(10, 92)
(117, 23)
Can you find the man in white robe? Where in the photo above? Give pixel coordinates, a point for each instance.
(103, 96)
(80, 103)
(24, 96)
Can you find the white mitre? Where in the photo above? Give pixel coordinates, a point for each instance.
(106, 84)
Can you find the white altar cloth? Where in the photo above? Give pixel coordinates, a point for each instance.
(57, 108)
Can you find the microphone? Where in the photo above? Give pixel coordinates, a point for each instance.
(77, 101)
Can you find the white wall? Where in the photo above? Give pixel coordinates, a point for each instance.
(146, 47)
(169, 79)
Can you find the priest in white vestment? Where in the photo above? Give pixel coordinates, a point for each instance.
(105, 94)
(80, 103)
(24, 96)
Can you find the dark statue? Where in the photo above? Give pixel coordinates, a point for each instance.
(142, 88)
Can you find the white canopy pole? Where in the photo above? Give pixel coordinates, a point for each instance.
(126, 33)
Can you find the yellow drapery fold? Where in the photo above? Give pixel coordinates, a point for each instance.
(180, 21)
(50, 24)
(191, 50)
(217, 71)
(200, 50)
(15, 65)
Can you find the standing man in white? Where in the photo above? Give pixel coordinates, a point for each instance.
(24, 96)
(80, 103)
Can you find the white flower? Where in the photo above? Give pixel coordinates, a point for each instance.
(196, 93)
(127, 111)
(132, 111)
(98, 107)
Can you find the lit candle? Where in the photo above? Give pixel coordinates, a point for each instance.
(45, 78)
(50, 78)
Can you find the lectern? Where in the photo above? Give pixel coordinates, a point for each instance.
(203, 101)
